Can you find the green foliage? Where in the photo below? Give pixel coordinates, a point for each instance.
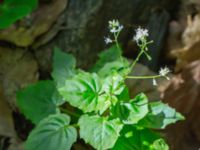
(38, 100)
(124, 95)
(84, 91)
(13, 10)
(63, 66)
(52, 133)
(111, 62)
(160, 116)
(111, 119)
(100, 132)
(159, 144)
(114, 84)
(133, 111)
(139, 139)
(107, 56)
(115, 67)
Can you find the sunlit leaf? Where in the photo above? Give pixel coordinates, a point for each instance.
(139, 139)
(99, 132)
(160, 116)
(85, 92)
(133, 111)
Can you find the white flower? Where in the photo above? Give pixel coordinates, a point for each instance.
(113, 23)
(113, 30)
(114, 26)
(140, 34)
(107, 40)
(120, 28)
(154, 82)
(164, 71)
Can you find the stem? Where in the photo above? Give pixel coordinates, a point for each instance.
(137, 59)
(69, 112)
(75, 125)
(143, 77)
(117, 44)
(142, 46)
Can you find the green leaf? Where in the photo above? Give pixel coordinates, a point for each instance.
(131, 112)
(84, 92)
(114, 67)
(109, 55)
(124, 95)
(160, 116)
(52, 133)
(63, 66)
(138, 139)
(114, 84)
(160, 145)
(13, 10)
(38, 101)
(99, 132)
(31, 3)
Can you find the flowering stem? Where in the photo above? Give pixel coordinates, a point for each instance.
(117, 44)
(137, 59)
(143, 77)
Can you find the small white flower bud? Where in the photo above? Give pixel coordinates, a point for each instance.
(107, 40)
(155, 82)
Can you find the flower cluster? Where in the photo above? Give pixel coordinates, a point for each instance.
(141, 39)
(115, 27)
(162, 73)
(141, 34)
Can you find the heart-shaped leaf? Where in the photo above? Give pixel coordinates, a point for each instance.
(39, 100)
(52, 133)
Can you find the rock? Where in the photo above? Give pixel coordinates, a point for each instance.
(183, 93)
(16, 144)
(25, 32)
(174, 40)
(158, 24)
(184, 35)
(18, 68)
(191, 42)
(6, 120)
